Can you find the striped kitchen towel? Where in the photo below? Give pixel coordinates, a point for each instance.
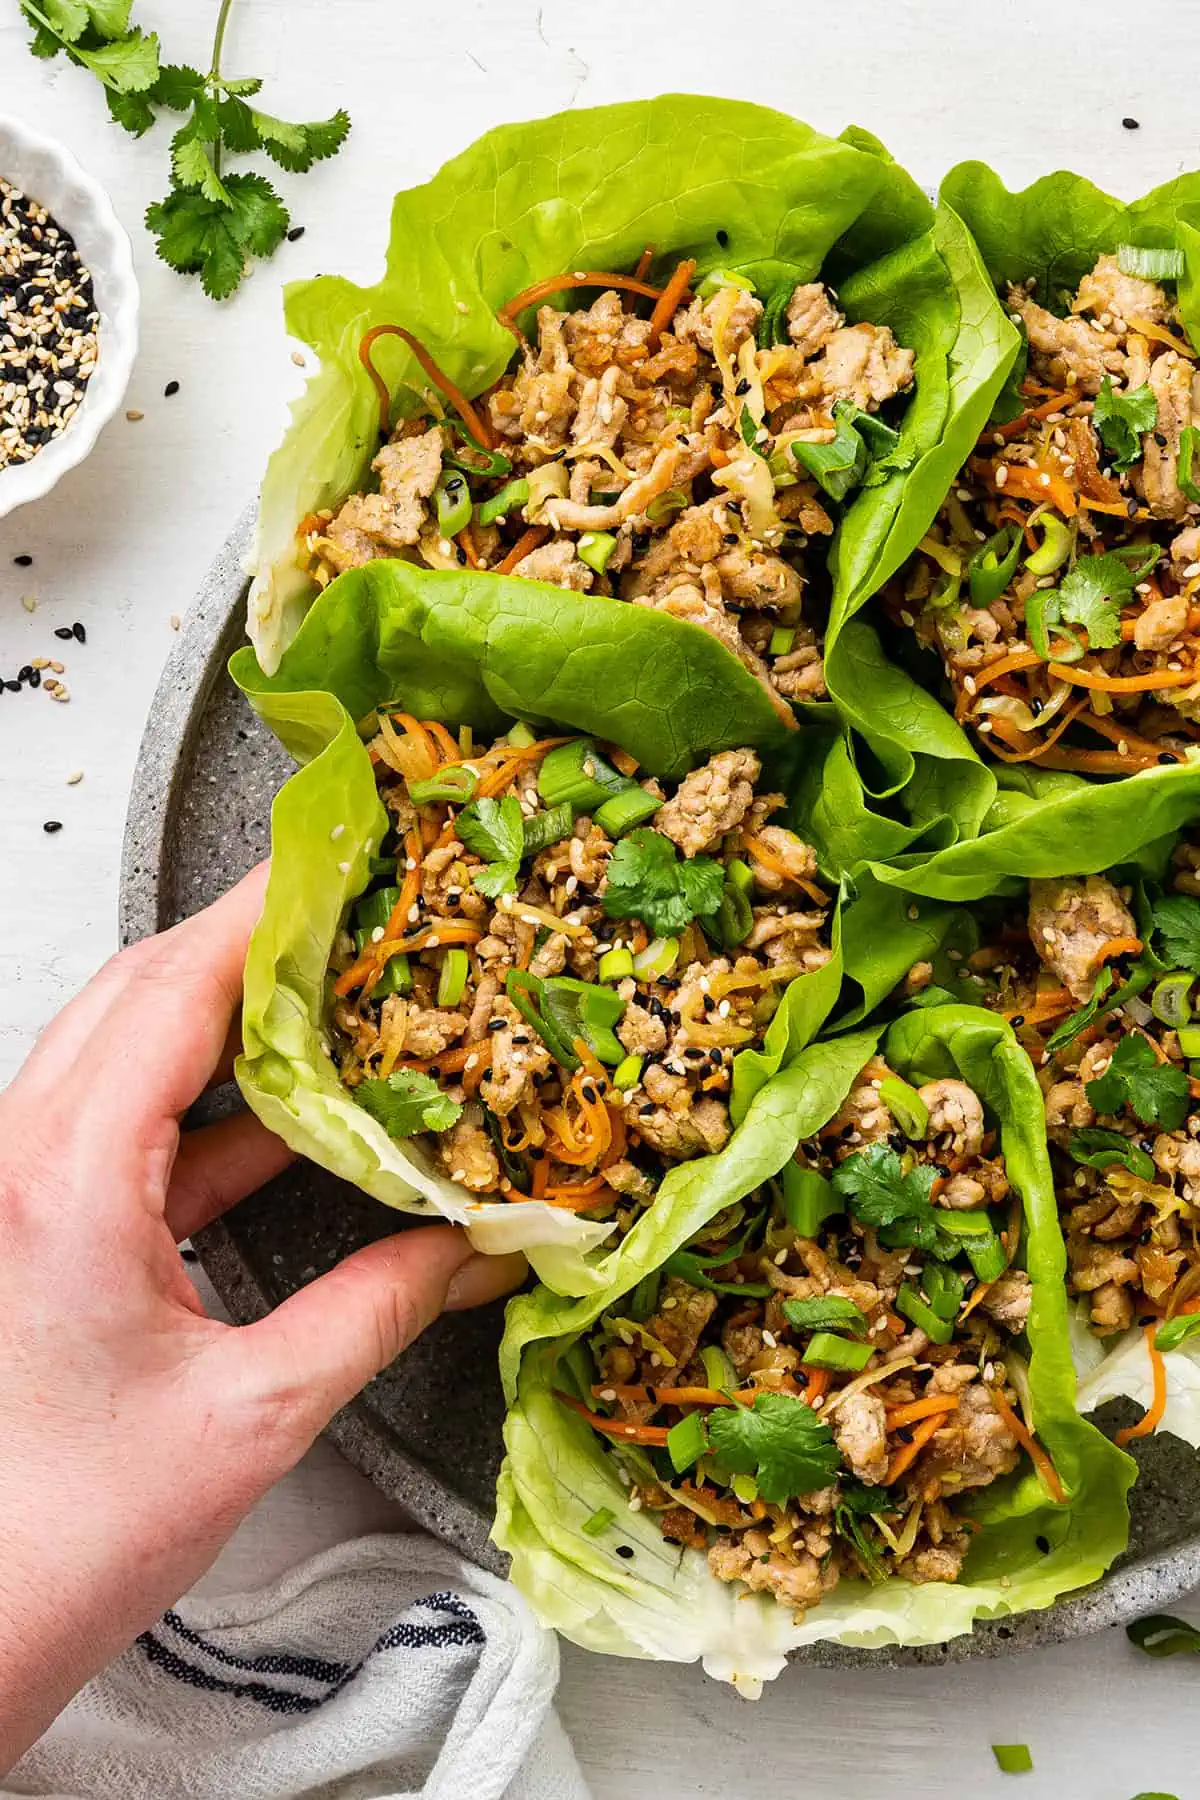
(384, 1669)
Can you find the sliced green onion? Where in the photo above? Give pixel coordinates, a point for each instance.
(944, 594)
(374, 910)
(808, 1199)
(1177, 1331)
(719, 1372)
(658, 958)
(627, 1074)
(751, 431)
(1150, 265)
(396, 978)
(452, 979)
(993, 565)
(453, 499)
(548, 482)
(381, 865)
(782, 639)
(545, 828)
(522, 735)
(944, 1288)
(1171, 999)
(987, 1257)
(525, 991)
(838, 466)
(1189, 1040)
(922, 1314)
(676, 415)
(906, 1106)
(740, 875)
(574, 1008)
(1138, 558)
(633, 806)
(745, 1489)
(512, 495)
(600, 1521)
(1055, 547)
(577, 774)
(644, 1298)
(1183, 473)
(1041, 611)
(772, 326)
(616, 964)
(687, 1442)
(735, 916)
(595, 548)
(966, 1224)
(826, 1312)
(454, 785)
(827, 1351)
(782, 470)
(1013, 1759)
(716, 279)
(489, 465)
(672, 500)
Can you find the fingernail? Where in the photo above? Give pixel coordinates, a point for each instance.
(484, 1278)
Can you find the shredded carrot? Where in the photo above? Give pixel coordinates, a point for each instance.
(907, 1454)
(527, 542)
(466, 542)
(436, 933)
(1047, 1005)
(673, 1396)
(568, 1201)
(450, 1062)
(1024, 482)
(1016, 426)
(897, 1416)
(579, 1190)
(310, 522)
(643, 263)
(561, 284)
(1078, 676)
(448, 748)
(1092, 762)
(1025, 750)
(1158, 1403)
(1118, 510)
(541, 1177)
(1005, 665)
(466, 412)
(1047, 1473)
(718, 457)
(984, 1288)
(816, 1384)
(631, 1434)
(1128, 742)
(623, 762)
(668, 302)
(479, 1067)
(762, 853)
(1115, 947)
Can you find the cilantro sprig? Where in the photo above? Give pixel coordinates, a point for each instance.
(1121, 420)
(1157, 1093)
(781, 1441)
(647, 881)
(1176, 923)
(407, 1102)
(881, 1192)
(211, 223)
(494, 829)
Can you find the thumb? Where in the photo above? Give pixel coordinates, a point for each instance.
(324, 1343)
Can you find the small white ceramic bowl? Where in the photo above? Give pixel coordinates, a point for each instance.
(49, 174)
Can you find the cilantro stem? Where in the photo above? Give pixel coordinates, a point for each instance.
(214, 71)
(35, 12)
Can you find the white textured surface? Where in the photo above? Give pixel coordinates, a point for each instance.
(124, 540)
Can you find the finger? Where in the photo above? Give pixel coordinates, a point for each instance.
(217, 1166)
(318, 1349)
(231, 1049)
(162, 1035)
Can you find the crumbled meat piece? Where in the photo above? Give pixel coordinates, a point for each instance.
(683, 1312)
(1070, 922)
(1067, 351)
(1094, 1264)
(788, 937)
(626, 1178)
(641, 1032)
(514, 1063)
(710, 801)
(446, 885)
(347, 541)
(556, 563)
(742, 1344)
(466, 1150)
(539, 405)
(550, 958)
(1185, 550)
(811, 317)
(1174, 387)
(481, 1008)
(975, 1444)
(602, 410)
(792, 860)
(696, 323)
(681, 1526)
(408, 470)
(962, 1193)
(800, 675)
(699, 1131)
(863, 363)
(956, 1109)
(752, 1559)
(1106, 290)
(757, 579)
(941, 1563)
(1176, 1154)
(588, 851)
(430, 1031)
(1008, 1300)
(1111, 1308)
(860, 1431)
(604, 333)
(1068, 1107)
(861, 1119)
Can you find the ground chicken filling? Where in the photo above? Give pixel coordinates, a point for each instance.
(1059, 583)
(680, 461)
(810, 1389)
(1098, 984)
(557, 962)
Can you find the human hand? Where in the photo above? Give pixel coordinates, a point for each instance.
(135, 1432)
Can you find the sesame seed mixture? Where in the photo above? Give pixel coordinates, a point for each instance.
(48, 325)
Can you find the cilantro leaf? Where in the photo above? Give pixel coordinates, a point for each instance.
(493, 829)
(67, 19)
(128, 66)
(647, 881)
(1079, 1021)
(406, 1102)
(855, 1502)
(197, 235)
(259, 219)
(1176, 919)
(178, 86)
(132, 112)
(244, 86)
(1091, 596)
(237, 126)
(192, 167)
(1121, 418)
(831, 1312)
(496, 879)
(1100, 1148)
(110, 17)
(881, 1192)
(298, 147)
(779, 1440)
(1155, 1092)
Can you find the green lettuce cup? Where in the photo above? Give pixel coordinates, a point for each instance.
(602, 1573)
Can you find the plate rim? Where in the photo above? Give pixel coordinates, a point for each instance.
(196, 662)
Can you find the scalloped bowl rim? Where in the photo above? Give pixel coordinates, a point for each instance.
(44, 168)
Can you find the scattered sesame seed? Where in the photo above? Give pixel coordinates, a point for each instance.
(1002, 475)
(29, 603)
(769, 1339)
(914, 912)
(458, 1174)
(75, 777)
(174, 621)
(170, 391)
(1131, 124)
(298, 359)
(344, 868)
(64, 632)
(133, 415)
(78, 633)
(377, 934)
(336, 833)
(51, 826)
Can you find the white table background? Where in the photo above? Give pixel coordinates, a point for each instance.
(123, 543)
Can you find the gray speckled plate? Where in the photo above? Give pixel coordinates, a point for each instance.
(427, 1431)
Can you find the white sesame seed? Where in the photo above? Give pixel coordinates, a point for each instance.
(298, 359)
(75, 777)
(458, 1174)
(781, 1257)
(970, 684)
(635, 1503)
(1001, 475)
(133, 415)
(29, 602)
(336, 833)
(410, 863)
(414, 913)
(669, 1304)
(724, 1010)
(174, 621)
(769, 1339)
(914, 912)
(472, 1062)
(1043, 481)
(377, 935)
(343, 868)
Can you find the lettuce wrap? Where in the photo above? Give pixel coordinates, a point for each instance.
(468, 653)
(563, 1508)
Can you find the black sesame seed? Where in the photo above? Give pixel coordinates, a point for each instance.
(23, 561)
(14, 687)
(1160, 438)
(1167, 756)
(1043, 1544)
(51, 826)
(896, 1140)
(1131, 507)
(461, 554)
(64, 631)
(1146, 1144)
(171, 389)
(1017, 1020)
(646, 1110)
(35, 678)
(847, 1132)
(743, 387)
(714, 1057)
(295, 234)
(730, 537)
(1131, 124)
(522, 1040)
(707, 1002)
(722, 237)
(1036, 706)
(25, 674)
(496, 1024)
(625, 1551)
